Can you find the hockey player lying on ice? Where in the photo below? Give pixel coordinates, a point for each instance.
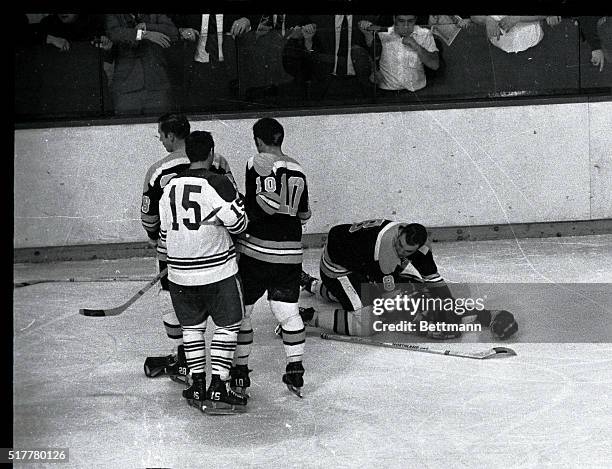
(378, 251)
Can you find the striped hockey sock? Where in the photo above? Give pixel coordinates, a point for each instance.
(245, 339)
(353, 323)
(293, 331)
(222, 349)
(195, 347)
(173, 327)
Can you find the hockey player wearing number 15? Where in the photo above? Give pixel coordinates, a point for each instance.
(276, 199)
(172, 129)
(199, 211)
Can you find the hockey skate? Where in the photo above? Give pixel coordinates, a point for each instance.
(222, 400)
(179, 371)
(173, 365)
(307, 281)
(196, 393)
(239, 379)
(294, 378)
(308, 317)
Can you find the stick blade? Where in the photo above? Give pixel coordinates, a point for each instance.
(495, 352)
(92, 312)
(501, 351)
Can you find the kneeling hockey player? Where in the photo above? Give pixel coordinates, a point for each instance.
(379, 251)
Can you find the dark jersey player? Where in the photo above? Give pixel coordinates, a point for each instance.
(379, 252)
(173, 129)
(276, 200)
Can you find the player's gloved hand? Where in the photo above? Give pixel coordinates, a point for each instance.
(503, 324)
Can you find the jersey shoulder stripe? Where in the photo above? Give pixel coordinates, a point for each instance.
(221, 163)
(173, 163)
(205, 178)
(266, 163)
(289, 164)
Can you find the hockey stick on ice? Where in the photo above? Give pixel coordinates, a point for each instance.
(117, 278)
(120, 309)
(493, 352)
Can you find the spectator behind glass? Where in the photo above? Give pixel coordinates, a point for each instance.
(520, 64)
(140, 80)
(405, 50)
(589, 32)
(30, 32)
(61, 29)
(512, 33)
(65, 68)
(264, 74)
(340, 59)
(207, 78)
(447, 27)
(296, 54)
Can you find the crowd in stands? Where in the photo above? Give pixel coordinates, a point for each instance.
(154, 63)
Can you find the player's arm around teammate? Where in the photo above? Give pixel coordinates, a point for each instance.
(199, 211)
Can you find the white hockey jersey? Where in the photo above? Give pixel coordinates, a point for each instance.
(198, 211)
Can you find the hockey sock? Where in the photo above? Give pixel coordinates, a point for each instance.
(195, 347)
(355, 323)
(325, 319)
(245, 338)
(173, 327)
(171, 322)
(222, 349)
(293, 331)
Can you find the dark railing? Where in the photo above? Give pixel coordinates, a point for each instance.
(266, 72)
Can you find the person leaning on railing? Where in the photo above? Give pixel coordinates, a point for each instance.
(61, 29)
(140, 82)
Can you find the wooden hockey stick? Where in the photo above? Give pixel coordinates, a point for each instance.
(493, 352)
(116, 278)
(120, 309)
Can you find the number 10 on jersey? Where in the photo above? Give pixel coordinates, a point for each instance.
(290, 192)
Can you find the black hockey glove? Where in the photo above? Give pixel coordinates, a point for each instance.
(503, 324)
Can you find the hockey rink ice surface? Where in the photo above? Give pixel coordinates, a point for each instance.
(79, 382)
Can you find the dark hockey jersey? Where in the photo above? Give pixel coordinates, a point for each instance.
(276, 200)
(156, 179)
(367, 248)
(199, 210)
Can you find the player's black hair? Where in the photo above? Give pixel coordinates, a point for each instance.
(270, 131)
(175, 123)
(415, 233)
(198, 145)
